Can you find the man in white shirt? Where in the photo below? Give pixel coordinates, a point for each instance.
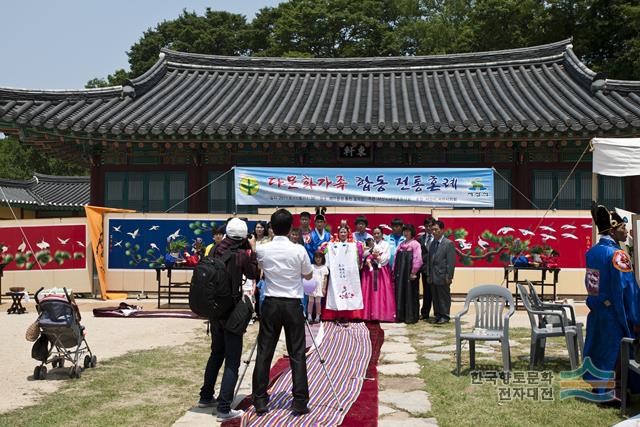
(284, 264)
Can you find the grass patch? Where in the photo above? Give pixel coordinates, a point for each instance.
(145, 388)
(456, 401)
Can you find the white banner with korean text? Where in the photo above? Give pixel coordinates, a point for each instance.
(434, 187)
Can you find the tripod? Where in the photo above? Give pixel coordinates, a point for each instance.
(326, 374)
(244, 369)
(248, 361)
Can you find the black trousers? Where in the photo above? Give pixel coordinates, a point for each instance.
(427, 297)
(441, 300)
(225, 347)
(276, 314)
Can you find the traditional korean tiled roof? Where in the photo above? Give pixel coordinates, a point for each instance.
(543, 88)
(46, 191)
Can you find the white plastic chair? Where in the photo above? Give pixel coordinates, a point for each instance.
(494, 305)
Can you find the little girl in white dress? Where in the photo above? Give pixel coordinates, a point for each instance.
(321, 277)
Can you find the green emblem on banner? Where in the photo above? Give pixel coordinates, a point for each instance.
(249, 186)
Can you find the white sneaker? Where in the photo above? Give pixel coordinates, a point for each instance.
(233, 413)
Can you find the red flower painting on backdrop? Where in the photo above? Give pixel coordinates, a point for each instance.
(54, 247)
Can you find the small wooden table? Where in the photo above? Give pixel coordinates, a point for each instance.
(171, 288)
(511, 278)
(16, 305)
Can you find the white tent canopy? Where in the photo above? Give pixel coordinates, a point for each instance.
(616, 156)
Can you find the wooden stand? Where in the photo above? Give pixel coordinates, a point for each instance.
(511, 277)
(16, 304)
(172, 289)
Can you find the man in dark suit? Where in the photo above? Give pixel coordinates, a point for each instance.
(442, 265)
(425, 241)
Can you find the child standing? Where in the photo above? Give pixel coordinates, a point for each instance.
(321, 276)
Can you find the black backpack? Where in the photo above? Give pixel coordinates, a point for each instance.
(211, 293)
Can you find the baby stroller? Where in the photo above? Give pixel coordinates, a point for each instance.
(61, 336)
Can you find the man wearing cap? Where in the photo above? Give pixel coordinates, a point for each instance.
(226, 346)
(613, 298)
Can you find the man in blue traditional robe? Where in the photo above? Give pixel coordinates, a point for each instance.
(613, 297)
(319, 235)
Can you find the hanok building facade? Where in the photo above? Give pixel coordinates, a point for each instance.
(44, 196)
(528, 112)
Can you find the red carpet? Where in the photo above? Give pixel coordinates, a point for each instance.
(362, 412)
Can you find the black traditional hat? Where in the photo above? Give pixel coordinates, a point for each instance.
(605, 220)
(320, 214)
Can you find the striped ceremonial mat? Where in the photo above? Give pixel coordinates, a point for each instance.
(346, 350)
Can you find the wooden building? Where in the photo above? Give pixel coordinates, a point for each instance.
(44, 196)
(528, 112)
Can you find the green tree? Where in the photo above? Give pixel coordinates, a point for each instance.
(606, 32)
(331, 28)
(442, 27)
(216, 32)
(116, 79)
(608, 37)
(18, 161)
(504, 24)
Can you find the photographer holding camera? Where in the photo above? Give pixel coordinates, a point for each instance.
(285, 264)
(226, 336)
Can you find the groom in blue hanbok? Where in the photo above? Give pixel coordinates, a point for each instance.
(613, 298)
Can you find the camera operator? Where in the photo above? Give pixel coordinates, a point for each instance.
(284, 264)
(225, 345)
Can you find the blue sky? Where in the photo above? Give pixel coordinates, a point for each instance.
(61, 44)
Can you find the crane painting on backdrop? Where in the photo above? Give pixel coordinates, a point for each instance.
(494, 241)
(147, 243)
(491, 242)
(54, 247)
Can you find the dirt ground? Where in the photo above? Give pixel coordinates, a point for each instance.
(111, 337)
(107, 337)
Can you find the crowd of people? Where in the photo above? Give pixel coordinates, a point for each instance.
(370, 273)
(360, 275)
(365, 275)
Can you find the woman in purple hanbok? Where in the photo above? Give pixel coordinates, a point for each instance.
(377, 287)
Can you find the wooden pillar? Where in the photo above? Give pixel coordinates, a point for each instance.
(196, 176)
(521, 177)
(97, 181)
(631, 198)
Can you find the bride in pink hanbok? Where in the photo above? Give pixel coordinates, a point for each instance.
(377, 286)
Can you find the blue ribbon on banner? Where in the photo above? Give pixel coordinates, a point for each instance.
(437, 187)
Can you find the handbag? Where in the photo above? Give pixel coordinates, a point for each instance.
(240, 317)
(40, 349)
